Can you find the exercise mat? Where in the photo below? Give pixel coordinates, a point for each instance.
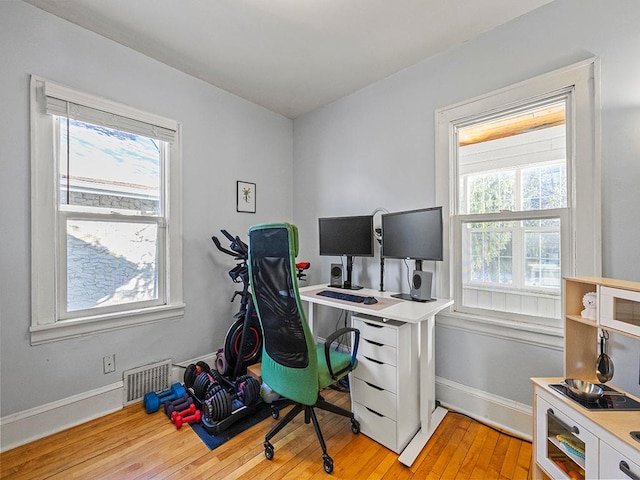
(213, 441)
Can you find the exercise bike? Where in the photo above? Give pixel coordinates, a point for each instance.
(225, 394)
(243, 342)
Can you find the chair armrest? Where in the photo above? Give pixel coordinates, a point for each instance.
(354, 350)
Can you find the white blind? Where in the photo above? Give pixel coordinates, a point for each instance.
(89, 109)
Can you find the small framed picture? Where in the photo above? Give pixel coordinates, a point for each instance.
(246, 193)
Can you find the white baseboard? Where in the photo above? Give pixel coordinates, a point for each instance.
(29, 425)
(38, 422)
(507, 415)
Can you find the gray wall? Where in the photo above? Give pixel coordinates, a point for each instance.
(375, 148)
(371, 149)
(225, 139)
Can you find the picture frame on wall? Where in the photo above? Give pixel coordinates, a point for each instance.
(246, 197)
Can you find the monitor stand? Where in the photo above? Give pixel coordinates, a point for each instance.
(347, 283)
(406, 296)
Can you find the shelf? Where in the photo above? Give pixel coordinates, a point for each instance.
(579, 461)
(586, 321)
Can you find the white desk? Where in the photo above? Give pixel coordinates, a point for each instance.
(422, 314)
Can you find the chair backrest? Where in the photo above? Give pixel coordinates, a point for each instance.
(289, 361)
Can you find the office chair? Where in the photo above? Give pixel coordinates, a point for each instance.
(292, 364)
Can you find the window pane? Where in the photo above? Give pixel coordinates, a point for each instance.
(542, 260)
(544, 187)
(110, 263)
(489, 253)
(102, 167)
(491, 192)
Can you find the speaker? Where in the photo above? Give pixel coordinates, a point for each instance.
(421, 285)
(336, 275)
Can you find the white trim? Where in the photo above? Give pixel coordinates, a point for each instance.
(62, 92)
(499, 412)
(583, 247)
(39, 422)
(64, 330)
(46, 324)
(528, 333)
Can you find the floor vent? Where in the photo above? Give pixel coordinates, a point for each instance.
(149, 378)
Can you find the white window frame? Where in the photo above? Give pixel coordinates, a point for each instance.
(581, 249)
(47, 324)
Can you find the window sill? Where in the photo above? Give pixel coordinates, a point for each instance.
(532, 334)
(67, 329)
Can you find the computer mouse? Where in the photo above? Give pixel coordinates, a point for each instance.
(370, 300)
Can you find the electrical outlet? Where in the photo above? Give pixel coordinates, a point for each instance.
(109, 363)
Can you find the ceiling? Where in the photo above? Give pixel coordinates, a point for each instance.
(290, 56)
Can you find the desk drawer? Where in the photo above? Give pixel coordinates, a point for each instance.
(376, 426)
(381, 401)
(376, 373)
(376, 331)
(378, 351)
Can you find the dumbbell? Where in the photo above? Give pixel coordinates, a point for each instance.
(177, 405)
(152, 400)
(183, 413)
(191, 418)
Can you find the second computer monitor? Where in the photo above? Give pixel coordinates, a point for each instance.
(349, 236)
(413, 234)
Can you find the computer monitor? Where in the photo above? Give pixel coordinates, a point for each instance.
(349, 236)
(413, 234)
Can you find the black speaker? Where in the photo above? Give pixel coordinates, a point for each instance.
(336, 275)
(421, 285)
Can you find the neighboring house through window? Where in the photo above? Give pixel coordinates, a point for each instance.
(106, 216)
(519, 179)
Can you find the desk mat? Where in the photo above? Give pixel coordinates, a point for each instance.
(382, 302)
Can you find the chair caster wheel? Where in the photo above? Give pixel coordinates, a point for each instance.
(275, 412)
(355, 426)
(327, 463)
(268, 451)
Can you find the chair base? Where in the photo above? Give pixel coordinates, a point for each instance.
(310, 417)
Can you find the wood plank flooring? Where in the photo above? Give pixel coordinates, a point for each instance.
(131, 444)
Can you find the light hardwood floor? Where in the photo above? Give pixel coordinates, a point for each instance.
(132, 444)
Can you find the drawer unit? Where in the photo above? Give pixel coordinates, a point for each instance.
(385, 384)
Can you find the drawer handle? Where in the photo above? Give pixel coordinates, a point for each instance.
(374, 386)
(573, 429)
(373, 411)
(624, 468)
(374, 325)
(374, 343)
(374, 361)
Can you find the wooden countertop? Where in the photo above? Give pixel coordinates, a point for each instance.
(615, 425)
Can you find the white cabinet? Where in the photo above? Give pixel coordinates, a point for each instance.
(385, 384)
(616, 466)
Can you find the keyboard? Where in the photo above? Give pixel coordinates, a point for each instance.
(342, 296)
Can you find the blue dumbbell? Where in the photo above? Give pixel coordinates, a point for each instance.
(153, 400)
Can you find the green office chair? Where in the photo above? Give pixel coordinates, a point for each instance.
(292, 365)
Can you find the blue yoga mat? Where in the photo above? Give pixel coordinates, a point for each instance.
(214, 441)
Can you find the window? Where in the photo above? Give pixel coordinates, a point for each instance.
(518, 178)
(105, 215)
